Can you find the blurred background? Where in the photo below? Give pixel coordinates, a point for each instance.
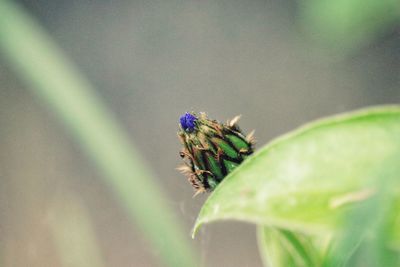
(278, 63)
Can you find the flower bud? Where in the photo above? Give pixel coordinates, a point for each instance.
(211, 150)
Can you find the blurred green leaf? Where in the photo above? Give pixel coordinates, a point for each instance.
(348, 24)
(304, 181)
(367, 237)
(34, 57)
(280, 247)
(73, 234)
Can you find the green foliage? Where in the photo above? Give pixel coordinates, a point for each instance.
(348, 24)
(280, 247)
(300, 189)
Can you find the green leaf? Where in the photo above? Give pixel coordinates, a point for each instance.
(368, 235)
(279, 247)
(348, 24)
(304, 180)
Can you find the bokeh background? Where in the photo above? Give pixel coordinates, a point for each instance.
(278, 63)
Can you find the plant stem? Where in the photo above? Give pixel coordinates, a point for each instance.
(34, 57)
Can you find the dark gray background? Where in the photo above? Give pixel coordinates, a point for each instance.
(151, 61)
